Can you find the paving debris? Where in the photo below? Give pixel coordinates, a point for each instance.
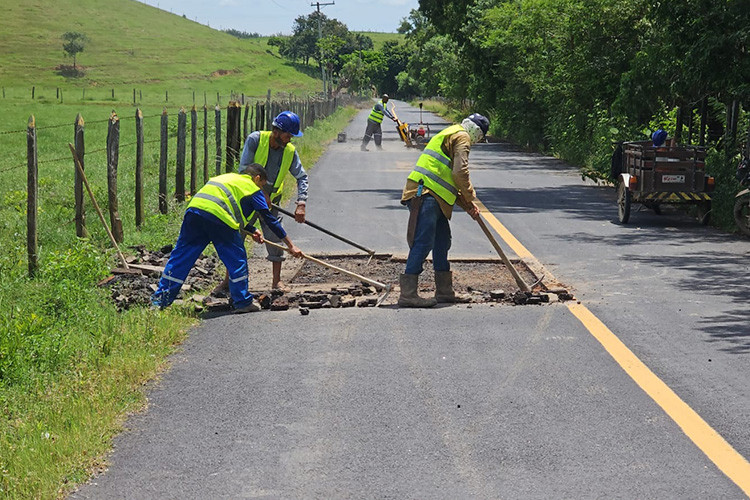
(317, 287)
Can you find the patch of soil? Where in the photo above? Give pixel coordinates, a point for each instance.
(313, 286)
(486, 280)
(223, 72)
(69, 71)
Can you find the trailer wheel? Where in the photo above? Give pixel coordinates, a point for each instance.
(623, 203)
(742, 214)
(704, 212)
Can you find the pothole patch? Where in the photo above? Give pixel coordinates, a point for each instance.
(313, 286)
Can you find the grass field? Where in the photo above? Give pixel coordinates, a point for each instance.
(132, 45)
(379, 38)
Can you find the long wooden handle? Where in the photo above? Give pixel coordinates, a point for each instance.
(96, 205)
(519, 281)
(327, 231)
(376, 284)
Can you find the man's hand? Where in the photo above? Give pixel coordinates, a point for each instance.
(294, 250)
(299, 213)
(473, 211)
(257, 237)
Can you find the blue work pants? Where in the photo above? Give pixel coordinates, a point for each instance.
(432, 233)
(195, 234)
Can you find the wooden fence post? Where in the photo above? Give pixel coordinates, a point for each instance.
(33, 91)
(217, 112)
(268, 111)
(252, 118)
(134, 101)
(78, 139)
(231, 124)
(205, 144)
(166, 96)
(139, 214)
(193, 149)
(163, 162)
(244, 121)
(113, 154)
(32, 190)
(179, 188)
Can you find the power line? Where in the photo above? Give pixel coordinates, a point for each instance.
(322, 66)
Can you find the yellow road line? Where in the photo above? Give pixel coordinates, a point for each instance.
(710, 442)
(506, 235)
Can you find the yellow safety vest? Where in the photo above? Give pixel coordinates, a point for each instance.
(222, 196)
(434, 167)
(375, 115)
(261, 157)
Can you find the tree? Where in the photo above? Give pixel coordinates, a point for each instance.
(74, 43)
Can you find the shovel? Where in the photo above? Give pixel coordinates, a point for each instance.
(96, 206)
(386, 289)
(519, 281)
(329, 233)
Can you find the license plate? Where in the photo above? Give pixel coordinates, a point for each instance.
(673, 179)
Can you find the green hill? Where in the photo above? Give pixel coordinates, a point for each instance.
(130, 45)
(378, 38)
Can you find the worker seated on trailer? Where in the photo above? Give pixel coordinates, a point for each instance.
(662, 144)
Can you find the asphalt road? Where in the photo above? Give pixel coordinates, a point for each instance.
(463, 402)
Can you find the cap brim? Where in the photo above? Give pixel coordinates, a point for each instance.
(300, 134)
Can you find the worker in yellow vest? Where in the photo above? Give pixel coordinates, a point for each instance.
(273, 150)
(374, 129)
(439, 180)
(227, 204)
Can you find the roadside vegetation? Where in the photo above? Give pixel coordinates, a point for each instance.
(572, 77)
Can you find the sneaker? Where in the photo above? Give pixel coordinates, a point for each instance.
(250, 308)
(362, 148)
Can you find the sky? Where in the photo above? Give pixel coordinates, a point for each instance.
(269, 17)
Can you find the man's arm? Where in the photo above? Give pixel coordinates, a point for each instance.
(459, 146)
(388, 113)
(298, 171)
(257, 202)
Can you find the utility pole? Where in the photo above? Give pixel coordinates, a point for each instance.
(320, 35)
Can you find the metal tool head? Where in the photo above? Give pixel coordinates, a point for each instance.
(386, 291)
(537, 282)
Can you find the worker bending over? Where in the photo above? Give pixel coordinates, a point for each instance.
(438, 181)
(373, 123)
(216, 214)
